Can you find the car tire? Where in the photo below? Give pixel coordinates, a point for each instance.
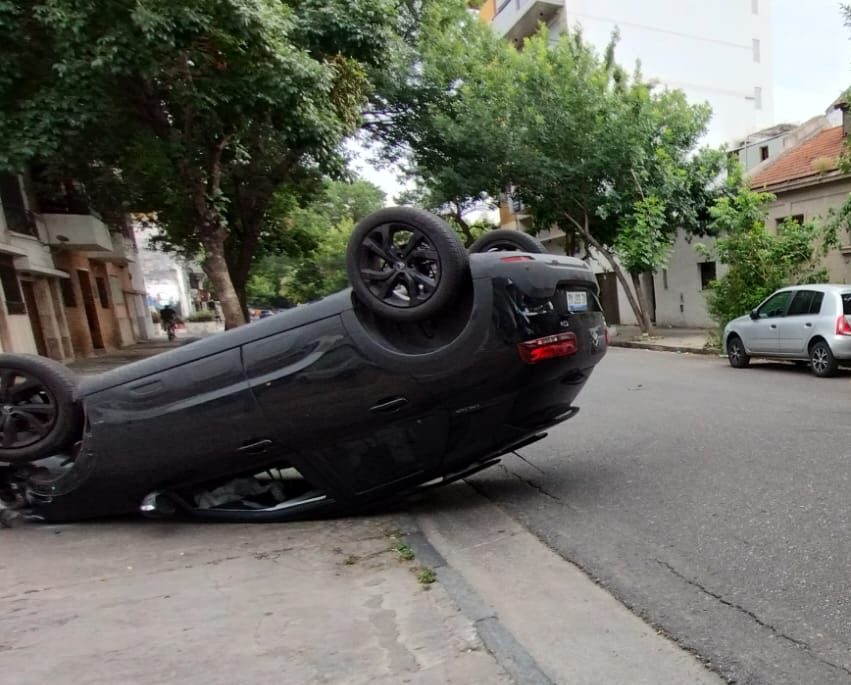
(736, 354)
(39, 416)
(405, 264)
(507, 240)
(822, 361)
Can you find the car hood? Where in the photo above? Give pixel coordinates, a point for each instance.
(739, 320)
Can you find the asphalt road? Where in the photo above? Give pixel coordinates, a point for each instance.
(713, 502)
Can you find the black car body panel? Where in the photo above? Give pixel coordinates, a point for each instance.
(363, 408)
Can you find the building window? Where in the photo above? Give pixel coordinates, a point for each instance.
(755, 6)
(707, 274)
(68, 298)
(756, 55)
(102, 294)
(18, 219)
(117, 291)
(664, 279)
(797, 218)
(763, 153)
(11, 286)
(757, 97)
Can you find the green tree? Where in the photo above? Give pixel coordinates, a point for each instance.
(438, 115)
(317, 266)
(759, 261)
(201, 111)
(608, 159)
(603, 156)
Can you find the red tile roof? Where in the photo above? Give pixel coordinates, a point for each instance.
(798, 162)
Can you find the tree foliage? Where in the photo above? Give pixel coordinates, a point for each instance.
(206, 110)
(602, 155)
(317, 268)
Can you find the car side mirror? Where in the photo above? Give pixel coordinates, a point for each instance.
(754, 314)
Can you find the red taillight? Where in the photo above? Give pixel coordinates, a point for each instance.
(842, 325)
(516, 258)
(550, 347)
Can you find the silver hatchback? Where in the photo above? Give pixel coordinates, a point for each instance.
(802, 323)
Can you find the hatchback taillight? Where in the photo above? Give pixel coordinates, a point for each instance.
(549, 347)
(842, 325)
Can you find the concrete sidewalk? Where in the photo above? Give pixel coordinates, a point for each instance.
(685, 340)
(573, 631)
(147, 603)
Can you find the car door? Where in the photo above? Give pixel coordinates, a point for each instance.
(796, 328)
(353, 425)
(763, 336)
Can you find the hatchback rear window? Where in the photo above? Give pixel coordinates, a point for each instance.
(846, 304)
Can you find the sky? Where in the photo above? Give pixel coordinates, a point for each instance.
(811, 64)
(811, 50)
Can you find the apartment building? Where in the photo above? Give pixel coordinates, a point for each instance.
(69, 284)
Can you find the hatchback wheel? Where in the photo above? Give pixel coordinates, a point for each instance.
(822, 361)
(739, 359)
(39, 416)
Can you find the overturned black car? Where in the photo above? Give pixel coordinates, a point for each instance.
(428, 369)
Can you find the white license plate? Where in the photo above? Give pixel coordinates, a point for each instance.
(577, 301)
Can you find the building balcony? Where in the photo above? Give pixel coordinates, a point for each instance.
(517, 19)
(122, 252)
(77, 232)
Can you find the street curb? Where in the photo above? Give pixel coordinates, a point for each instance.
(656, 347)
(497, 639)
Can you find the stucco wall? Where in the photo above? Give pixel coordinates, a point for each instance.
(704, 48)
(21, 334)
(815, 202)
(683, 302)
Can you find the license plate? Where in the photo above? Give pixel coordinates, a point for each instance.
(577, 301)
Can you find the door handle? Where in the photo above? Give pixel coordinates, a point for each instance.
(257, 447)
(808, 325)
(774, 325)
(389, 405)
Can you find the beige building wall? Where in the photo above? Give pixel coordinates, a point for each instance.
(812, 203)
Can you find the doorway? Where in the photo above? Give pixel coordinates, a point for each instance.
(90, 307)
(35, 319)
(608, 283)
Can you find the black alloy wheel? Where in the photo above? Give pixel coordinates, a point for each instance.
(28, 409)
(507, 240)
(400, 265)
(405, 264)
(39, 416)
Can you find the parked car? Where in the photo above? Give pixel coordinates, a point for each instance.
(807, 323)
(430, 367)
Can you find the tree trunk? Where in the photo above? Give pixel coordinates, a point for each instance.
(640, 315)
(643, 315)
(216, 268)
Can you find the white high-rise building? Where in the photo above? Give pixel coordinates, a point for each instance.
(717, 52)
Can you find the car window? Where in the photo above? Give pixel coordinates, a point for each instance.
(776, 305)
(815, 305)
(801, 303)
(846, 304)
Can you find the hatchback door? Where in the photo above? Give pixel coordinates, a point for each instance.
(764, 335)
(796, 328)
